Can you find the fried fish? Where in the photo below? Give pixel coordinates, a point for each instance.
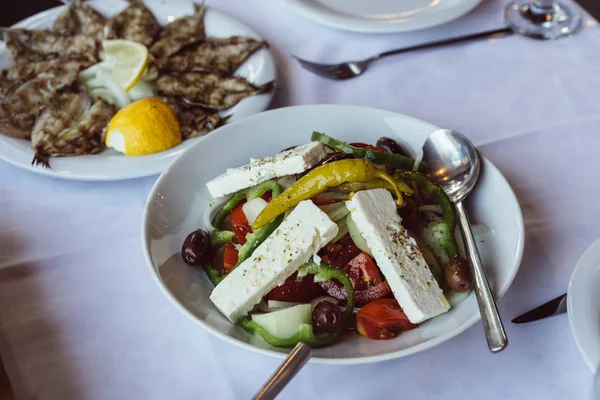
(181, 32)
(194, 121)
(136, 22)
(21, 106)
(27, 46)
(214, 55)
(72, 124)
(209, 90)
(80, 18)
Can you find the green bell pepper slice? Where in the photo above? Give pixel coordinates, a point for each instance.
(378, 157)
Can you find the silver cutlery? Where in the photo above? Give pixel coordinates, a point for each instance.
(454, 165)
(288, 369)
(352, 69)
(553, 307)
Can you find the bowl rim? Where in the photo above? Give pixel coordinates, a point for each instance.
(324, 360)
(580, 276)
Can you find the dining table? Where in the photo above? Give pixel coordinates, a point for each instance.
(82, 318)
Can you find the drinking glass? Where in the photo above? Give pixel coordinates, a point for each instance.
(542, 19)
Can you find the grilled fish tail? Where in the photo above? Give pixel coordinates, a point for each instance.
(41, 158)
(267, 87)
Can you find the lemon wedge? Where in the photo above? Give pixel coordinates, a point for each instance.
(125, 61)
(144, 127)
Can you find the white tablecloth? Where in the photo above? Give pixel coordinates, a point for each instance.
(81, 318)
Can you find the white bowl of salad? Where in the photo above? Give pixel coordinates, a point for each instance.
(319, 224)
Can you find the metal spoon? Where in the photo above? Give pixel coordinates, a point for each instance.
(288, 369)
(454, 165)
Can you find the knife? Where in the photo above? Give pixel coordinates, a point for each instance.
(553, 307)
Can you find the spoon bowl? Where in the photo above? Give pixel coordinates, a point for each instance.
(453, 162)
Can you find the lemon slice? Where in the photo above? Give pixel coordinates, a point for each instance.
(125, 61)
(146, 126)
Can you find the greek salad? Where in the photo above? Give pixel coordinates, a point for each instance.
(328, 238)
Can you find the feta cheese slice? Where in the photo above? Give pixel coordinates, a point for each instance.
(304, 232)
(397, 255)
(288, 162)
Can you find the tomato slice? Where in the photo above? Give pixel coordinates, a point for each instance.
(340, 253)
(230, 257)
(365, 146)
(382, 319)
(239, 222)
(369, 271)
(267, 196)
(366, 281)
(297, 291)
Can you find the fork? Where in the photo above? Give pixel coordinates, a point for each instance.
(352, 69)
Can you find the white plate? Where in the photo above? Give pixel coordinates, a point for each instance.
(111, 165)
(382, 16)
(177, 203)
(583, 305)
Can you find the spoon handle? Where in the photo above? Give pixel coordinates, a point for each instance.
(492, 324)
(290, 367)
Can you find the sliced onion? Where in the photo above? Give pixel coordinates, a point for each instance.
(418, 160)
(120, 94)
(94, 83)
(432, 208)
(104, 93)
(253, 208)
(141, 90)
(89, 73)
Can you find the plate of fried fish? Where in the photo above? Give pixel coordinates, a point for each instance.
(60, 92)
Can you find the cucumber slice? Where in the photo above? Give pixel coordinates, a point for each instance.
(342, 230)
(335, 211)
(433, 234)
(356, 236)
(455, 298)
(285, 323)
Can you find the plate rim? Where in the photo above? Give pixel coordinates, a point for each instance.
(157, 168)
(323, 360)
(351, 24)
(580, 274)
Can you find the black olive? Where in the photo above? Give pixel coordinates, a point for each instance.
(458, 274)
(390, 146)
(197, 248)
(327, 317)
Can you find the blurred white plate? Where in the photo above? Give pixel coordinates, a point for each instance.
(382, 16)
(111, 165)
(177, 206)
(583, 305)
